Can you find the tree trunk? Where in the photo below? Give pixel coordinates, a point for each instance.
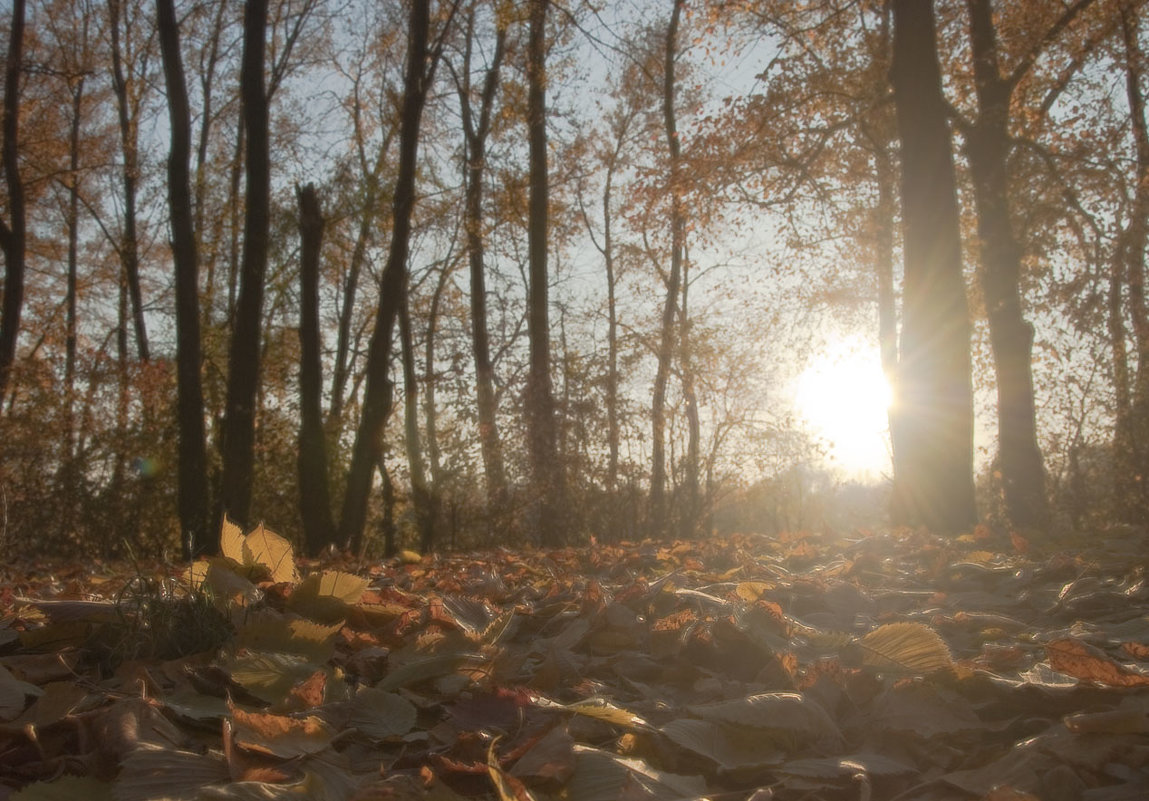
(420, 492)
(207, 77)
(934, 390)
(128, 113)
(1011, 336)
(368, 447)
(430, 406)
(658, 506)
(12, 233)
(1131, 251)
(368, 219)
(243, 359)
(314, 490)
(197, 534)
(72, 219)
(474, 165)
(692, 499)
(546, 472)
(884, 214)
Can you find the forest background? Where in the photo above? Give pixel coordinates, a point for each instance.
(474, 273)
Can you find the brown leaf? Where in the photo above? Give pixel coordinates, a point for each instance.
(1082, 661)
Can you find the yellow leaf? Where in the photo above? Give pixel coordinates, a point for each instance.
(752, 590)
(903, 648)
(231, 540)
(264, 547)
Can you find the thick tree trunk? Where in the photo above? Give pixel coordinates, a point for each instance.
(934, 390)
(368, 448)
(1011, 336)
(129, 250)
(546, 472)
(658, 505)
(197, 534)
(475, 170)
(243, 359)
(314, 489)
(12, 233)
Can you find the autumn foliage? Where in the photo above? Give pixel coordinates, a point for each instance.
(898, 665)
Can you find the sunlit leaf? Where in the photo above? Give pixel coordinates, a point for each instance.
(902, 648)
(231, 540)
(264, 547)
(599, 709)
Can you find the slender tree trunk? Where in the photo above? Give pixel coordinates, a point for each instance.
(613, 428)
(73, 223)
(884, 214)
(420, 491)
(207, 75)
(243, 361)
(314, 490)
(198, 536)
(475, 169)
(692, 498)
(129, 248)
(934, 382)
(1011, 336)
(368, 219)
(546, 472)
(368, 448)
(387, 525)
(658, 505)
(1131, 250)
(12, 233)
(430, 405)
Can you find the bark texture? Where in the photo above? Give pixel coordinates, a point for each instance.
(314, 488)
(198, 535)
(1011, 335)
(12, 233)
(546, 472)
(934, 391)
(243, 358)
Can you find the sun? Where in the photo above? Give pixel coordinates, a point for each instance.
(844, 397)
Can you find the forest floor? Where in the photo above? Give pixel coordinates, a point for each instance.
(873, 666)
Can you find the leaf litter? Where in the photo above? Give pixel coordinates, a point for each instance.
(890, 665)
